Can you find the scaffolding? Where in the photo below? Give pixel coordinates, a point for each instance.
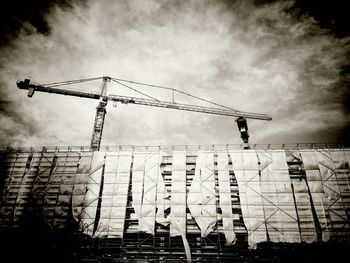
(41, 183)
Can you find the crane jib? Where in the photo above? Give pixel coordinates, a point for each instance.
(141, 101)
(187, 107)
(32, 88)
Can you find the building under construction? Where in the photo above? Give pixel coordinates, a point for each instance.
(272, 203)
(217, 203)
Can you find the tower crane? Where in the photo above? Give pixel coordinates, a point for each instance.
(55, 87)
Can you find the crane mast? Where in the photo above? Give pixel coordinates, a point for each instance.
(101, 112)
(104, 98)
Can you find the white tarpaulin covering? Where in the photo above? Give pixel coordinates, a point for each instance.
(162, 198)
(329, 188)
(246, 170)
(178, 194)
(149, 191)
(338, 186)
(25, 180)
(266, 196)
(178, 199)
(278, 204)
(201, 197)
(114, 195)
(148, 206)
(88, 214)
(225, 197)
(311, 165)
(15, 178)
(138, 172)
(302, 199)
(306, 221)
(80, 185)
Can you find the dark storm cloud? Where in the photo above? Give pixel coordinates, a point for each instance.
(18, 18)
(265, 56)
(15, 126)
(15, 13)
(332, 16)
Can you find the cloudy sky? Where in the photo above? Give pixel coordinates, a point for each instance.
(284, 58)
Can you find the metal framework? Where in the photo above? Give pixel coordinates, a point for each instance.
(104, 98)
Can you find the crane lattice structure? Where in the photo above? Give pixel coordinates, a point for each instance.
(101, 95)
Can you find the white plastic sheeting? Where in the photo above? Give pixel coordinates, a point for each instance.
(311, 165)
(14, 196)
(246, 170)
(162, 198)
(89, 207)
(266, 196)
(149, 191)
(302, 199)
(337, 188)
(279, 209)
(114, 195)
(178, 193)
(178, 199)
(80, 185)
(23, 192)
(148, 207)
(225, 197)
(138, 171)
(326, 174)
(201, 197)
(306, 221)
(63, 175)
